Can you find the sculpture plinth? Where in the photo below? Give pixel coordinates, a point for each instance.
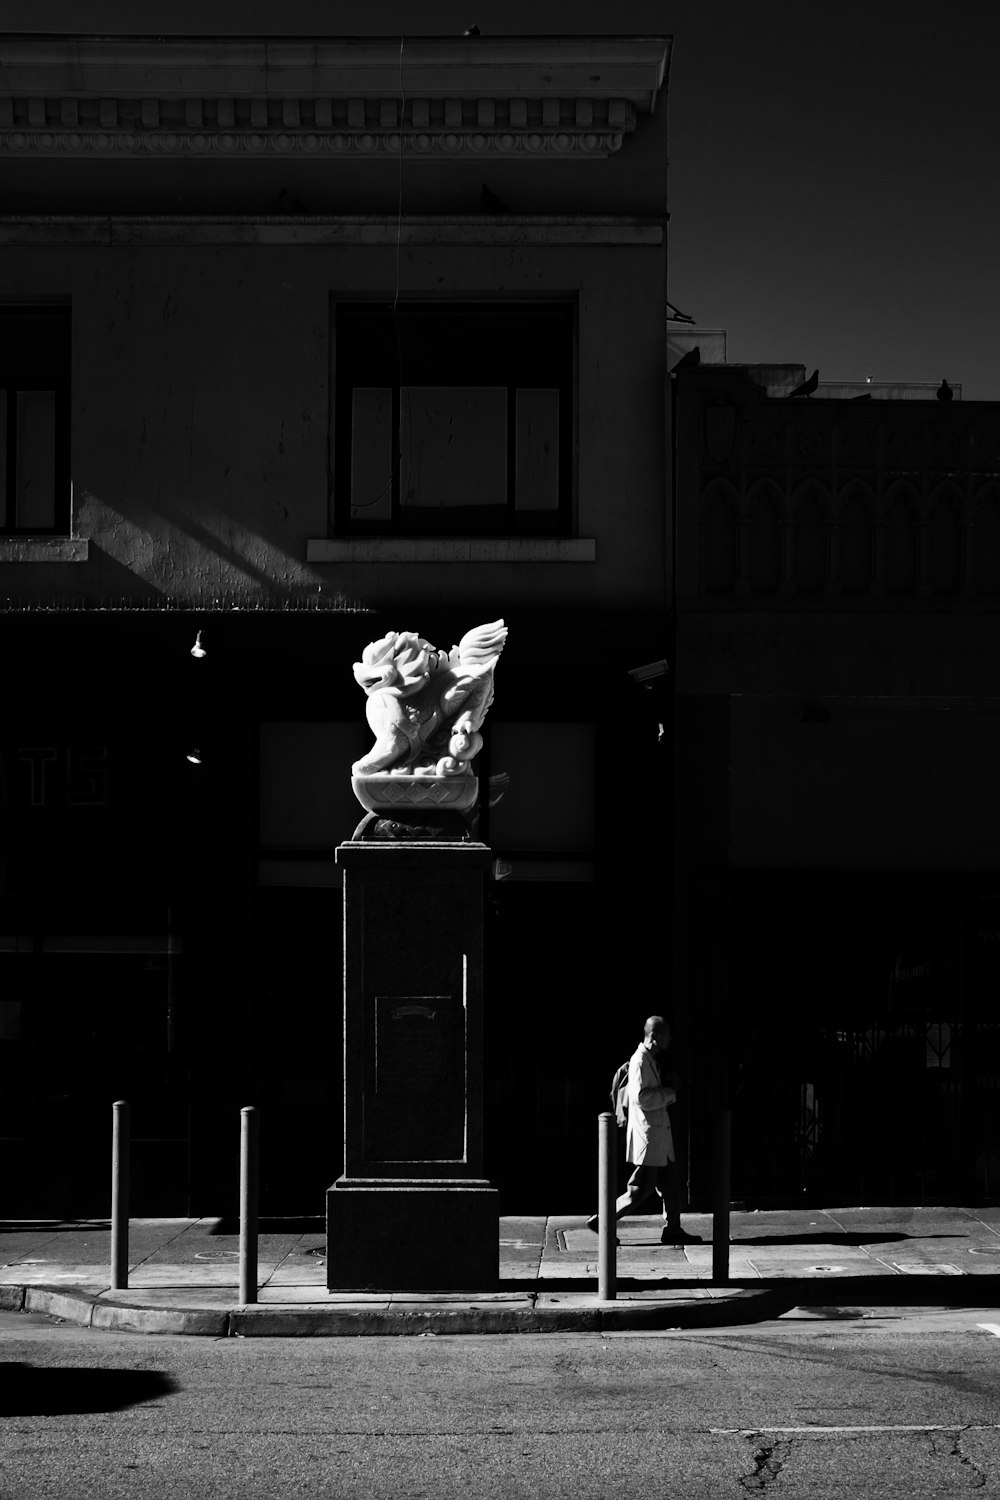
(412, 1210)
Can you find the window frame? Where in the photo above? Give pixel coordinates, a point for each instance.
(21, 372)
(357, 364)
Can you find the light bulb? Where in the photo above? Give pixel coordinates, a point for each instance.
(198, 649)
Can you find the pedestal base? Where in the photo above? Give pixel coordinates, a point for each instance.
(415, 1235)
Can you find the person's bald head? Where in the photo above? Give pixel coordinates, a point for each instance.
(657, 1033)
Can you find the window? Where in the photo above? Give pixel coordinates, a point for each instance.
(454, 421)
(34, 421)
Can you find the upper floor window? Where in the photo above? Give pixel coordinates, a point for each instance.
(34, 420)
(454, 420)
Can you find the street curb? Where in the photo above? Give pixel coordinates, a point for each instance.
(85, 1310)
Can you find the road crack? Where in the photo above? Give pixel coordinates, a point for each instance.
(769, 1460)
(946, 1445)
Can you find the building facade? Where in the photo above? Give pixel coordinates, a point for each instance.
(305, 340)
(838, 588)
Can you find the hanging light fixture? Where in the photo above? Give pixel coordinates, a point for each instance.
(198, 649)
(194, 756)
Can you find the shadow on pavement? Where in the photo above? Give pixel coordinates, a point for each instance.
(912, 1290)
(844, 1240)
(873, 1290)
(315, 1224)
(35, 1391)
(51, 1226)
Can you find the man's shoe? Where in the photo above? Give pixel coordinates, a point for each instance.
(594, 1224)
(679, 1237)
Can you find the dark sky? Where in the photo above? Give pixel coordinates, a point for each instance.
(833, 190)
(834, 185)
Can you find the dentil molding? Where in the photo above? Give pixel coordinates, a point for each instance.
(516, 98)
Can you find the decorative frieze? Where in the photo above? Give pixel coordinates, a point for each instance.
(921, 536)
(443, 144)
(516, 99)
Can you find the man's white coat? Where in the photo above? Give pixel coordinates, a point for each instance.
(648, 1139)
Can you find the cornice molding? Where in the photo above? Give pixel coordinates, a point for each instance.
(117, 230)
(514, 98)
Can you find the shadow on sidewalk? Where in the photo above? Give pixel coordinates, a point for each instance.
(889, 1289)
(311, 1224)
(844, 1240)
(51, 1226)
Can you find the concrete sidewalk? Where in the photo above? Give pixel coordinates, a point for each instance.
(183, 1274)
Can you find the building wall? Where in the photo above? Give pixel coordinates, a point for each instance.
(204, 362)
(201, 434)
(837, 635)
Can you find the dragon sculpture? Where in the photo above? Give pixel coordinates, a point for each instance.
(426, 707)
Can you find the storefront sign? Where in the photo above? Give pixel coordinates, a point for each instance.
(40, 775)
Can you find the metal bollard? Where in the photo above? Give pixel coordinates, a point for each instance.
(721, 1153)
(119, 1195)
(607, 1289)
(248, 1205)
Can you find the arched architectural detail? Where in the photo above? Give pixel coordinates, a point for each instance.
(986, 539)
(767, 489)
(768, 537)
(811, 510)
(899, 489)
(941, 539)
(853, 490)
(719, 561)
(720, 488)
(902, 535)
(764, 542)
(855, 532)
(814, 489)
(987, 493)
(948, 492)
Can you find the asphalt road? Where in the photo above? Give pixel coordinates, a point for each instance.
(903, 1402)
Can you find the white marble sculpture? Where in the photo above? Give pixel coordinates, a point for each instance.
(425, 708)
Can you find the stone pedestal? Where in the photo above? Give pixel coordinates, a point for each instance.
(412, 1210)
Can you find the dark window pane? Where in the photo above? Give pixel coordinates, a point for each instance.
(36, 460)
(453, 446)
(34, 419)
(479, 431)
(34, 344)
(372, 453)
(537, 482)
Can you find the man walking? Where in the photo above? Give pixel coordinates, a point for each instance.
(649, 1142)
